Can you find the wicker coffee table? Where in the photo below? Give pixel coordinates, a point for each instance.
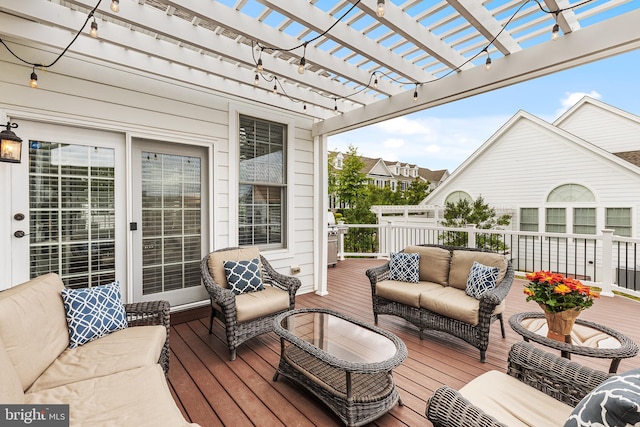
(587, 338)
(345, 363)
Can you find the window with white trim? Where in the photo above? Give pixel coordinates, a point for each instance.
(529, 219)
(584, 220)
(263, 183)
(618, 220)
(556, 220)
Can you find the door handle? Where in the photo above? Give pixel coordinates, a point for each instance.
(20, 234)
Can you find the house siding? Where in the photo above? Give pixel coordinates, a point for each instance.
(87, 94)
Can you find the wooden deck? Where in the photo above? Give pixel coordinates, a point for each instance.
(213, 391)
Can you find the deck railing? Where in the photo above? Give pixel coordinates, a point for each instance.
(604, 260)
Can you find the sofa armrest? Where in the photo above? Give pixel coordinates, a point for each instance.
(151, 313)
(447, 408)
(555, 376)
(286, 283)
(378, 274)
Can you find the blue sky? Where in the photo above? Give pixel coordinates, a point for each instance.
(443, 137)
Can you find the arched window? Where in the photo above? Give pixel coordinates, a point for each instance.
(456, 196)
(571, 193)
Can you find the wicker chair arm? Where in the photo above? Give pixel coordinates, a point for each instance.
(447, 408)
(224, 297)
(378, 274)
(490, 299)
(555, 376)
(282, 281)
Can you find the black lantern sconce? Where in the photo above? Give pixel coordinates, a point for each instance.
(10, 144)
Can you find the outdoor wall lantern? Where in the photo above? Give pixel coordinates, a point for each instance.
(10, 144)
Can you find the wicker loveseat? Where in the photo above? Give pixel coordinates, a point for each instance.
(116, 380)
(539, 389)
(438, 301)
(250, 314)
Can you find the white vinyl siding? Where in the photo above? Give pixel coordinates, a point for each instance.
(619, 220)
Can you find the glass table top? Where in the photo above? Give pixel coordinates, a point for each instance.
(581, 335)
(340, 338)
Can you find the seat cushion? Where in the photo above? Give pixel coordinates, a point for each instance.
(454, 303)
(434, 263)
(462, 261)
(253, 305)
(403, 292)
(137, 397)
(34, 343)
(11, 389)
(217, 259)
(615, 402)
(120, 351)
(514, 403)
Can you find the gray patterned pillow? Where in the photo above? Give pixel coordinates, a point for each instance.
(615, 402)
(404, 267)
(481, 279)
(243, 276)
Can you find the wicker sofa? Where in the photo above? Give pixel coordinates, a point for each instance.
(539, 389)
(116, 380)
(438, 301)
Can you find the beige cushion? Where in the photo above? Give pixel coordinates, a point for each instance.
(252, 305)
(454, 303)
(404, 292)
(119, 351)
(11, 388)
(461, 263)
(217, 259)
(33, 325)
(514, 403)
(138, 397)
(434, 263)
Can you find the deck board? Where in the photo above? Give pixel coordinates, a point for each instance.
(213, 391)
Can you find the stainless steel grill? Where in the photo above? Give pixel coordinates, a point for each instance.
(332, 241)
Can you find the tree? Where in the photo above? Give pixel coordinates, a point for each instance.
(416, 192)
(464, 212)
(349, 182)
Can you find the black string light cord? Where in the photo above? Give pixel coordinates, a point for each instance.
(373, 75)
(39, 65)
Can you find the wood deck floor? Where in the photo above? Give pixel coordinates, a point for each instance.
(213, 391)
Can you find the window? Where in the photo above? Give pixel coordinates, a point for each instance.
(262, 182)
(456, 196)
(571, 193)
(619, 220)
(584, 220)
(556, 220)
(529, 219)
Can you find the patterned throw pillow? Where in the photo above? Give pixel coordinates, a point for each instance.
(93, 312)
(481, 279)
(615, 402)
(404, 267)
(243, 276)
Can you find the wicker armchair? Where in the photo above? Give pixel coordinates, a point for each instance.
(224, 303)
(566, 381)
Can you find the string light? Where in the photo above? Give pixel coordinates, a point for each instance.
(275, 88)
(259, 67)
(487, 63)
(375, 83)
(415, 94)
(335, 106)
(256, 81)
(301, 65)
(380, 8)
(555, 31)
(34, 79)
(93, 32)
(115, 6)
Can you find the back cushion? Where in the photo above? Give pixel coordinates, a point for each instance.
(33, 325)
(11, 389)
(434, 263)
(462, 261)
(217, 259)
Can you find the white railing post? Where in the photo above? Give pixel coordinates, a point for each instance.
(341, 244)
(607, 263)
(472, 235)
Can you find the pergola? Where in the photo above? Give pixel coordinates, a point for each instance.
(359, 67)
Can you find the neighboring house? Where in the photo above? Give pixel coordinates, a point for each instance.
(580, 174)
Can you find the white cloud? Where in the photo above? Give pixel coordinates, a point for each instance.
(402, 126)
(571, 98)
(393, 142)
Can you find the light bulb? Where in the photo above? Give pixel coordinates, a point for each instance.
(259, 66)
(115, 6)
(301, 65)
(34, 80)
(93, 32)
(256, 80)
(375, 83)
(555, 31)
(487, 64)
(304, 107)
(415, 95)
(275, 88)
(380, 10)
